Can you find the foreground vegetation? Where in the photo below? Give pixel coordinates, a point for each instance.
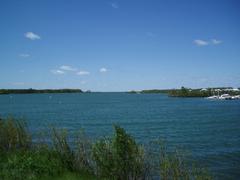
(31, 91)
(119, 157)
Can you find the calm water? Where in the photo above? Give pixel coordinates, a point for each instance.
(210, 130)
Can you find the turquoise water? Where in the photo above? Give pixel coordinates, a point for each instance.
(209, 129)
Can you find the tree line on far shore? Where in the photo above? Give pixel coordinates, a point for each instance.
(188, 92)
(31, 91)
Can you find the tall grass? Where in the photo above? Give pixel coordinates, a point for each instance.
(14, 135)
(62, 147)
(119, 157)
(83, 154)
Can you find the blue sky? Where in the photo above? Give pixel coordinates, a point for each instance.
(119, 45)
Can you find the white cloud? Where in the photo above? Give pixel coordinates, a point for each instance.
(67, 68)
(200, 42)
(57, 71)
(24, 55)
(215, 41)
(83, 73)
(32, 36)
(103, 70)
(63, 69)
(114, 5)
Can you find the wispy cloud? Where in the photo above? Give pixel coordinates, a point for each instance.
(103, 70)
(216, 42)
(200, 42)
(24, 55)
(67, 68)
(32, 36)
(63, 69)
(114, 5)
(57, 71)
(81, 73)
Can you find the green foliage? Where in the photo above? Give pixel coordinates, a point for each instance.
(61, 146)
(14, 135)
(155, 91)
(82, 155)
(185, 92)
(120, 157)
(104, 158)
(129, 155)
(30, 165)
(132, 92)
(72, 176)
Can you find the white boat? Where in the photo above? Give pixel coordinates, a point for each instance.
(225, 96)
(236, 97)
(213, 97)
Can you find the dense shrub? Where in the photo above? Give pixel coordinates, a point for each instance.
(120, 157)
(31, 165)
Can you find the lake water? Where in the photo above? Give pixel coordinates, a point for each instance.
(209, 129)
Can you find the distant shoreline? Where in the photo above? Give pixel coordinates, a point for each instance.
(188, 92)
(182, 92)
(38, 91)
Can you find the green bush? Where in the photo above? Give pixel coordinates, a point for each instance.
(31, 165)
(120, 157)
